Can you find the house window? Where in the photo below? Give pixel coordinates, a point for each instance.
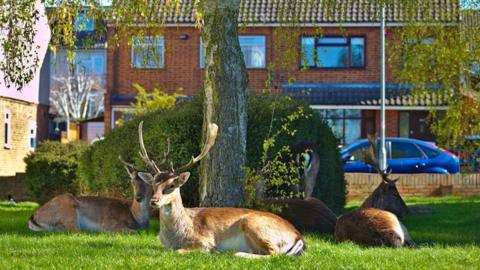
(84, 23)
(345, 123)
(253, 49)
(333, 52)
(148, 52)
(32, 136)
(404, 124)
(120, 115)
(7, 130)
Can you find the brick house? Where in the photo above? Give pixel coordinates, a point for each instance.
(341, 81)
(24, 112)
(90, 59)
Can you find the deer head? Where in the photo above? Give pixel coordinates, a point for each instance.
(141, 189)
(166, 184)
(386, 195)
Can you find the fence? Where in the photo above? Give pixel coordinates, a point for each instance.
(360, 185)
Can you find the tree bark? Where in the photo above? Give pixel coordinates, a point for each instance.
(225, 98)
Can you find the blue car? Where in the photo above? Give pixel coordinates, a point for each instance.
(403, 156)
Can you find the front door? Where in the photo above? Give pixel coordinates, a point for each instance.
(419, 128)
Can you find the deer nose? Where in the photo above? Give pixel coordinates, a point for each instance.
(154, 201)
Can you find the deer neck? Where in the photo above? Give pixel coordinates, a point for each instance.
(176, 226)
(141, 211)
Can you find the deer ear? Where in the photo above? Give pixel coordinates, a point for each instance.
(146, 177)
(183, 178)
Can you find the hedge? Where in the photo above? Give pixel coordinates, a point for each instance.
(101, 173)
(52, 169)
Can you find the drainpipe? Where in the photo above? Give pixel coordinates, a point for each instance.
(383, 150)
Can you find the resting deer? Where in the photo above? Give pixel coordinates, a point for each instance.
(248, 232)
(67, 212)
(370, 225)
(308, 214)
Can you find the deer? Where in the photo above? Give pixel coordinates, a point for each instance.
(249, 233)
(375, 222)
(67, 212)
(386, 195)
(307, 214)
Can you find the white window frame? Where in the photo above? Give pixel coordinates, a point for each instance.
(8, 132)
(145, 43)
(202, 51)
(122, 109)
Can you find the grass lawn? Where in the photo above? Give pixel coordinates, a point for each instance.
(449, 238)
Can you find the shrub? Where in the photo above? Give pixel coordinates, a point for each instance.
(100, 171)
(330, 186)
(51, 169)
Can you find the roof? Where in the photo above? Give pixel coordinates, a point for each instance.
(471, 18)
(361, 94)
(317, 11)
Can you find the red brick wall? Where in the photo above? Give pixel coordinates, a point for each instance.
(361, 185)
(182, 69)
(391, 124)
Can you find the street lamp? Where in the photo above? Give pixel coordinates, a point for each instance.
(383, 151)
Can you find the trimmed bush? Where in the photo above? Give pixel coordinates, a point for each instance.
(51, 169)
(100, 172)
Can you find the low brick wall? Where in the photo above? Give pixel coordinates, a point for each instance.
(361, 185)
(15, 186)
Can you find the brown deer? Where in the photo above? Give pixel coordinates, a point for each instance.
(370, 225)
(67, 212)
(248, 232)
(386, 195)
(308, 214)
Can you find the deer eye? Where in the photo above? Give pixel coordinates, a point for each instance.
(169, 189)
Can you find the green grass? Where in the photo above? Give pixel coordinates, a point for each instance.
(449, 238)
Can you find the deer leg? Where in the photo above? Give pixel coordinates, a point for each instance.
(259, 239)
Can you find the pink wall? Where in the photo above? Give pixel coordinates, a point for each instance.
(30, 92)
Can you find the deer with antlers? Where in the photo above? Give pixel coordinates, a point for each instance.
(250, 233)
(375, 222)
(67, 212)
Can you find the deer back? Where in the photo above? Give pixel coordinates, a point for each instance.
(370, 227)
(309, 215)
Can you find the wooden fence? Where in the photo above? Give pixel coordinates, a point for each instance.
(360, 185)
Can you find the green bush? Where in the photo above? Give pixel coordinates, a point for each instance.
(100, 172)
(330, 186)
(51, 169)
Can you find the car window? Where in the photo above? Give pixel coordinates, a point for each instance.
(430, 152)
(405, 150)
(359, 153)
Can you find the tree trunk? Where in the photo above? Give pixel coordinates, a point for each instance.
(225, 97)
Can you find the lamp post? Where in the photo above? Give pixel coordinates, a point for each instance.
(383, 150)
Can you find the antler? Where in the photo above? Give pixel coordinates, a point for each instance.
(210, 141)
(143, 152)
(124, 162)
(370, 158)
